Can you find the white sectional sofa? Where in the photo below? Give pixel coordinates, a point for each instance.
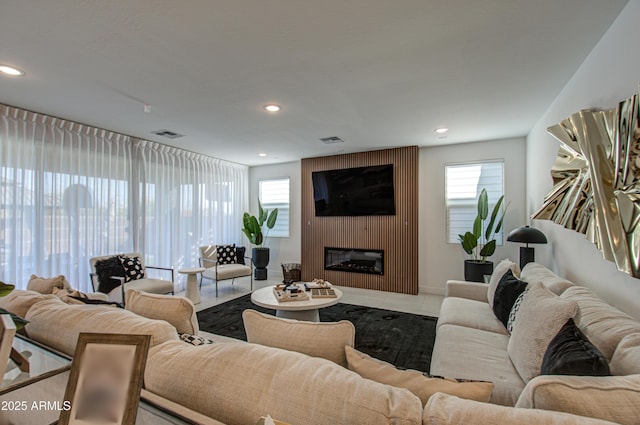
(235, 382)
(472, 344)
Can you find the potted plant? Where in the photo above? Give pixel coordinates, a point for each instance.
(252, 228)
(481, 242)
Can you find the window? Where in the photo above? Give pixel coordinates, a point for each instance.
(69, 192)
(464, 182)
(275, 194)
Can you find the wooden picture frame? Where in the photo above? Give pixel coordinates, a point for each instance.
(7, 333)
(106, 379)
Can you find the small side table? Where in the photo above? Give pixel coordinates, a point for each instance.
(193, 292)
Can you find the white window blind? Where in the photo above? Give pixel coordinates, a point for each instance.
(274, 193)
(464, 182)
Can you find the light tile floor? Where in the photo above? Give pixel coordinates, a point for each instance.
(426, 304)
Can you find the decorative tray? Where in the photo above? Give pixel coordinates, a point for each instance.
(289, 293)
(317, 283)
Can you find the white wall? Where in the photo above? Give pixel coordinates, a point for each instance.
(283, 250)
(609, 74)
(439, 260)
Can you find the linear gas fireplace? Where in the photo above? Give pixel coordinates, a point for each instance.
(353, 260)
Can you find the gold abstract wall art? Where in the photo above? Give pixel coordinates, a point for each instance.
(596, 178)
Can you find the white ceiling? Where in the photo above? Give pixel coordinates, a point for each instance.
(377, 73)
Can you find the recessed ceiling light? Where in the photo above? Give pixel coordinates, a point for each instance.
(262, 154)
(441, 130)
(9, 70)
(272, 108)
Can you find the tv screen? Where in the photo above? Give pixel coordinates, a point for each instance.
(354, 191)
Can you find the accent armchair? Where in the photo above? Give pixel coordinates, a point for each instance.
(217, 271)
(108, 278)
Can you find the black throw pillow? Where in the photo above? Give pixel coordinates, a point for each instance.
(571, 353)
(105, 269)
(240, 250)
(226, 254)
(508, 290)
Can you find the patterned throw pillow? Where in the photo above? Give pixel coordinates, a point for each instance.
(507, 292)
(133, 269)
(226, 254)
(195, 340)
(514, 311)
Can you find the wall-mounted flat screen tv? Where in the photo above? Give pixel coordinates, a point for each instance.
(354, 191)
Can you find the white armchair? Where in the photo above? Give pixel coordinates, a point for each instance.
(146, 284)
(217, 272)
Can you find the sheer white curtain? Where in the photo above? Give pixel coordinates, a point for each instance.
(187, 200)
(69, 192)
(64, 196)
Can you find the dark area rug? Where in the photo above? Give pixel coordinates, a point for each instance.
(402, 339)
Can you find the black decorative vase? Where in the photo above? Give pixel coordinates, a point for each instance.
(475, 270)
(260, 262)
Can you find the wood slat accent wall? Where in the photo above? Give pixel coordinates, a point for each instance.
(396, 235)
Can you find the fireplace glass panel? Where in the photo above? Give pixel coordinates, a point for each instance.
(353, 260)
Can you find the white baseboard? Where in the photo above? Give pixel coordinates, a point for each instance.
(431, 289)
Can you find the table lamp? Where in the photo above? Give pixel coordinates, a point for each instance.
(526, 235)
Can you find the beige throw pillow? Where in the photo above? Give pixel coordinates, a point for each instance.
(502, 267)
(540, 317)
(178, 311)
(626, 358)
(325, 340)
(534, 272)
(602, 323)
(419, 384)
(20, 301)
(45, 285)
(611, 398)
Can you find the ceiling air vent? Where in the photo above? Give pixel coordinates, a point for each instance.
(168, 134)
(331, 140)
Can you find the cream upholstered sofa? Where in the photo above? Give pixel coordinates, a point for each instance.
(234, 382)
(50, 285)
(216, 271)
(471, 343)
(147, 284)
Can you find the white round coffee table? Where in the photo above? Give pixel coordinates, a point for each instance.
(192, 291)
(298, 310)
